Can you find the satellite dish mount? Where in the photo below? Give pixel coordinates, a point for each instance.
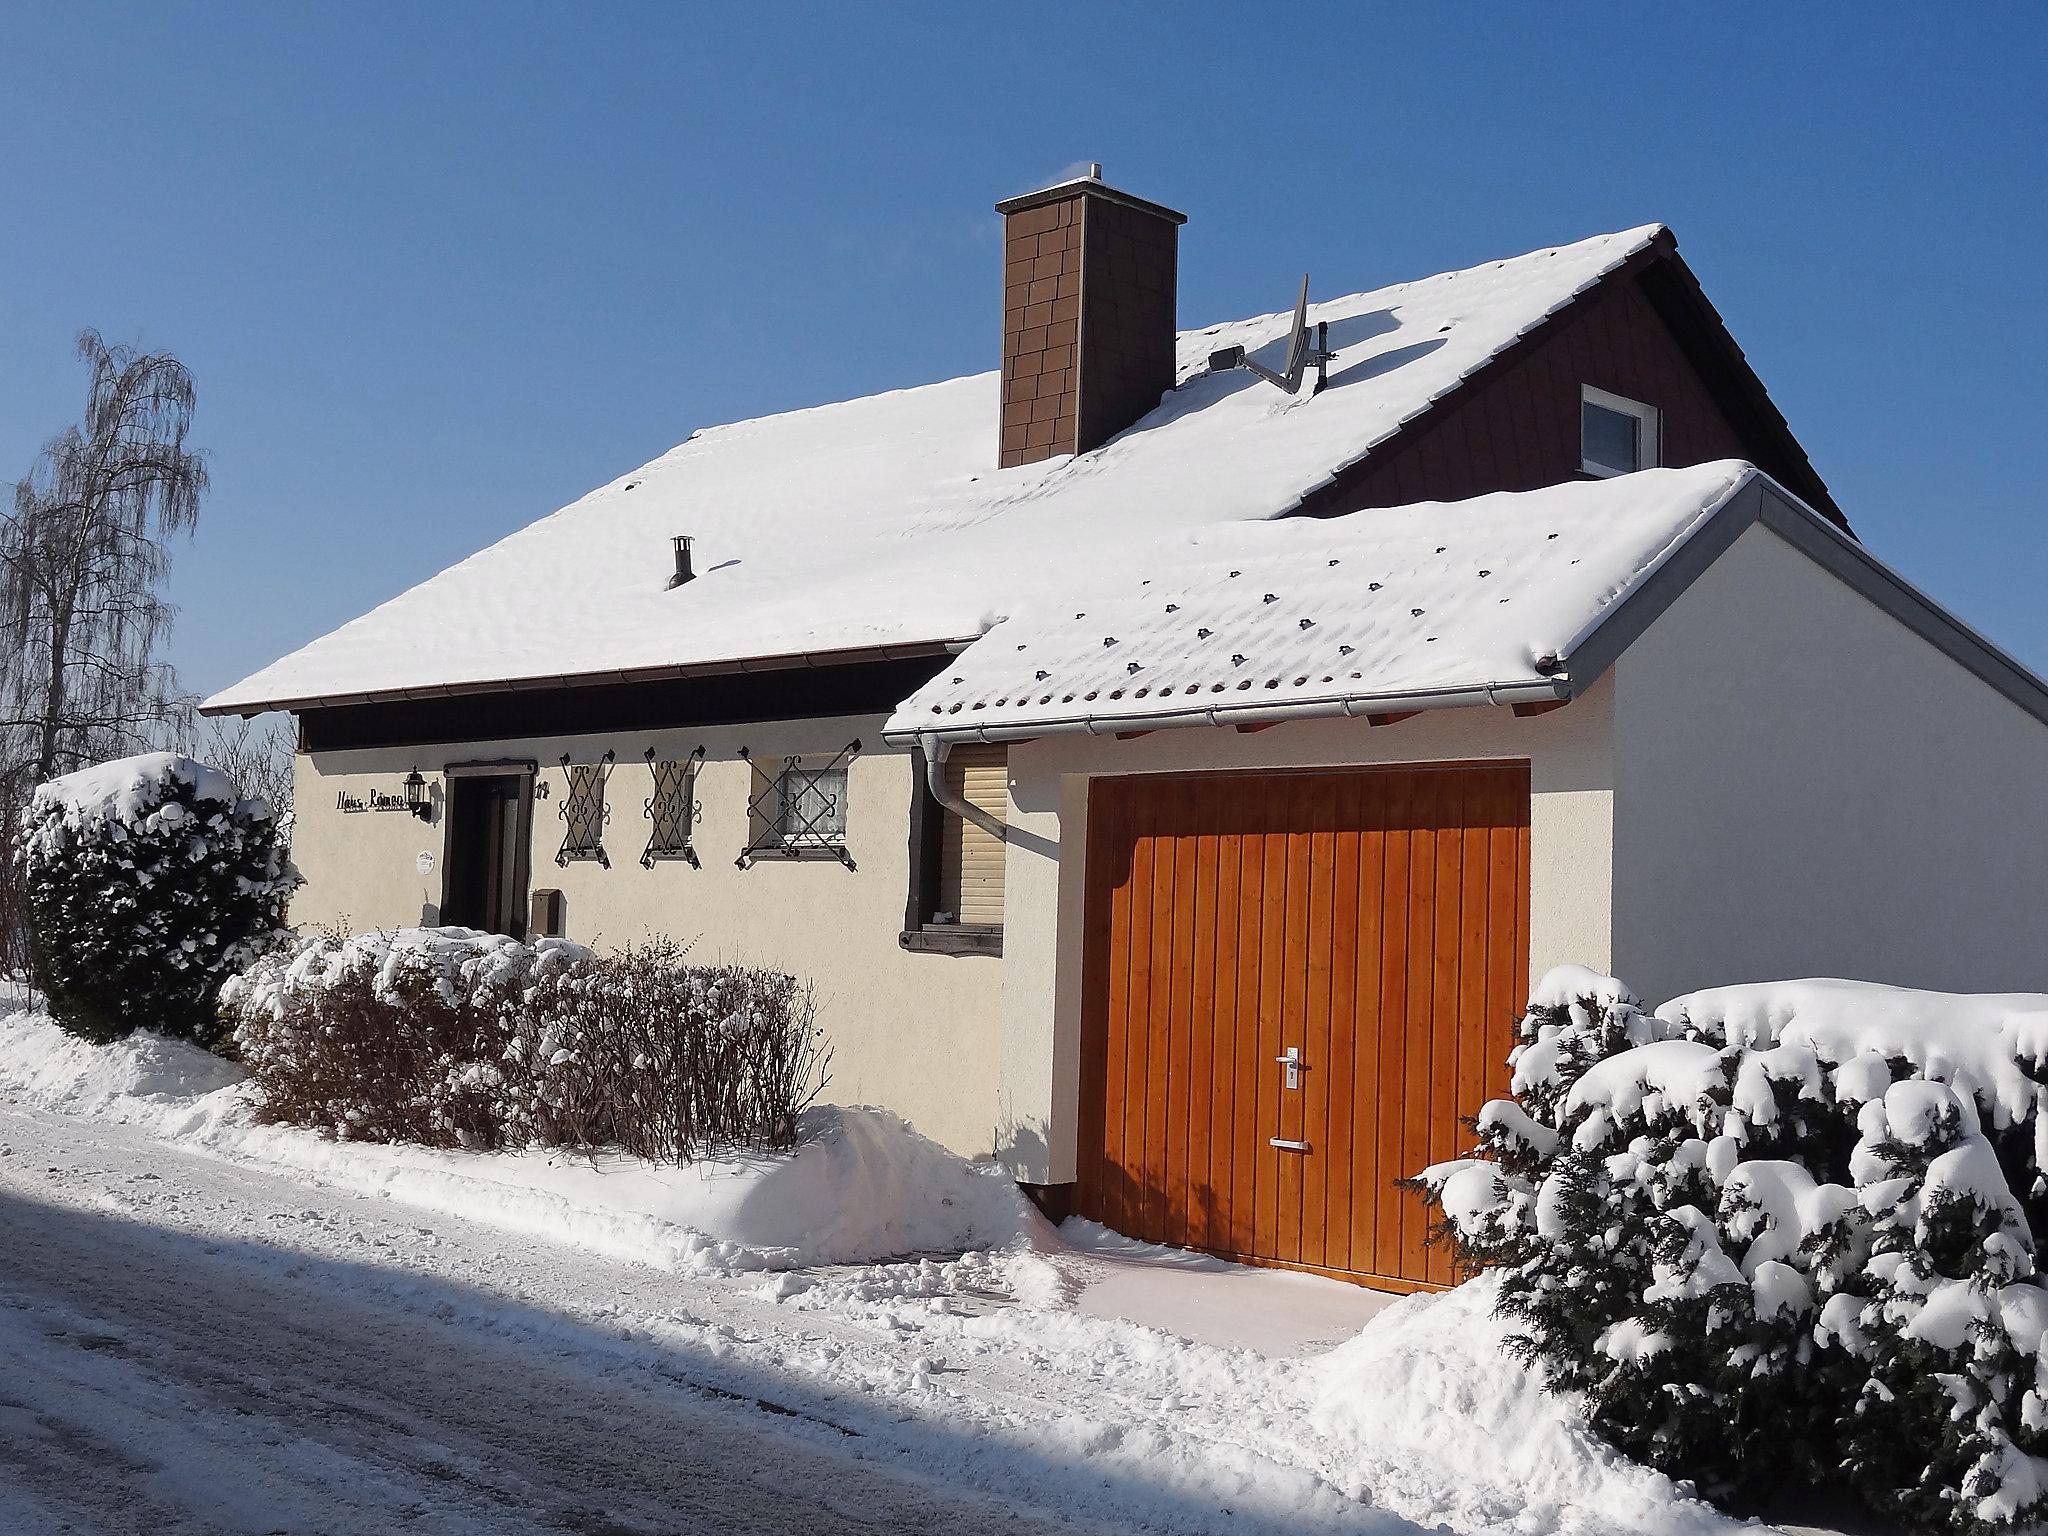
(1301, 352)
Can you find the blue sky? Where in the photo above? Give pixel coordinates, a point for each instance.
(440, 269)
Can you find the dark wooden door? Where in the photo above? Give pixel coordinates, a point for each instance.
(1371, 925)
(486, 853)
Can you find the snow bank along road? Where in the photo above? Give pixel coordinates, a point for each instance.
(188, 1344)
(182, 1372)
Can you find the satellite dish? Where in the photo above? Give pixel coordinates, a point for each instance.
(1300, 352)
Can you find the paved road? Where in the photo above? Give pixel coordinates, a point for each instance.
(166, 1377)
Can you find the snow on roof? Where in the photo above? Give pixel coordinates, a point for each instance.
(884, 522)
(1395, 606)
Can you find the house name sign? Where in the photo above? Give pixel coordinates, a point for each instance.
(369, 800)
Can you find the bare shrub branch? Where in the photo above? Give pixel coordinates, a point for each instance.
(475, 1041)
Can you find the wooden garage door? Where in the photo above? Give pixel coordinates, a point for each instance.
(1373, 921)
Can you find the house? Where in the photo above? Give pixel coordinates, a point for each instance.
(1170, 782)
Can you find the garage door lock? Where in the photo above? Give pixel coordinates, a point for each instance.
(1290, 1066)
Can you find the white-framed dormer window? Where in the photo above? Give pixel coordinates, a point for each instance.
(1617, 436)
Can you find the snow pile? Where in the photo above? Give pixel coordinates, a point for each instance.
(1782, 1231)
(453, 963)
(861, 1186)
(132, 791)
(1427, 1387)
(150, 880)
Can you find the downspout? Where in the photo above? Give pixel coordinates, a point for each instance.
(935, 749)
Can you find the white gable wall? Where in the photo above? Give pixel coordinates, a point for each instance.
(1805, 787)
(1571, 818)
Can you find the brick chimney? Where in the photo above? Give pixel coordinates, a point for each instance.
(1088, 315)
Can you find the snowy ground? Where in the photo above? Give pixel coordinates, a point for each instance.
(204, 1340)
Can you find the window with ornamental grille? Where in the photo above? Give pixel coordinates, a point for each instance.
(584, 812)
(800, 809)
(672, 808)
(812, 806)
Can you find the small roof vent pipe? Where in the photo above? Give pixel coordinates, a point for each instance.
(1095, 170)
(683, 571)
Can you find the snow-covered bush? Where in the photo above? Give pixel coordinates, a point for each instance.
(393, 1036)
(1781, 1232)
(150, 881)
(642, 1051)
(450, 1037)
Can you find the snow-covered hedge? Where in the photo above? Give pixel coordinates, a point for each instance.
(1782, 1233)
(454, 1038)
(150, 880)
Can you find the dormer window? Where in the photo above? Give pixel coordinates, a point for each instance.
(1617, 436)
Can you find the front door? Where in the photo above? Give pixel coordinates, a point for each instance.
(488, 820)
(1297, 986)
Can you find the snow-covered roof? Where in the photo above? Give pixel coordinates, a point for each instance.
(883, 522)
(1396, 607)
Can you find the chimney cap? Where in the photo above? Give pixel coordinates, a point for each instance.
(1090, 185)
(684, 571)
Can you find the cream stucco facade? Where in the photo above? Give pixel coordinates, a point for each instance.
(1777, 777)
(919, 1033)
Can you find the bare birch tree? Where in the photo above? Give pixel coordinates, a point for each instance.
(83, 555)
(256, 752)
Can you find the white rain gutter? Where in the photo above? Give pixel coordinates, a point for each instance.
(934, 739)
(935, 748)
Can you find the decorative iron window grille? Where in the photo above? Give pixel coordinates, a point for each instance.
(584, 811)
(800, 811)
(673, 809)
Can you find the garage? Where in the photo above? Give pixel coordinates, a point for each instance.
(1296, 986)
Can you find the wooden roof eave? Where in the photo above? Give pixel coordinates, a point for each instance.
(780, 662)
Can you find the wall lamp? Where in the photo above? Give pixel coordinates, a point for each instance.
(416, 799)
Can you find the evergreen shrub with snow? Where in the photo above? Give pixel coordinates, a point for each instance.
(453, 1038)
(150, 881)
(1781, 1234)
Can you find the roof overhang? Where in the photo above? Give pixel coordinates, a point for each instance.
(1758, 499)
(783, 662)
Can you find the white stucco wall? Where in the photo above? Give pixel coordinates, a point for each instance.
(916, 1032)
(1571, 818)
(1805, 787)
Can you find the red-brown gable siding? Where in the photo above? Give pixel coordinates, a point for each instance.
(1516, 427)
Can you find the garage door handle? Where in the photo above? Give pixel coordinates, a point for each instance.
(1287, 1146)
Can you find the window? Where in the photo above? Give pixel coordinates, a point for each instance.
(584, 812)
(812, 806)
(957, 866)
(1617, 436)
(971, 856)
(673, 810)
(799, 810)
